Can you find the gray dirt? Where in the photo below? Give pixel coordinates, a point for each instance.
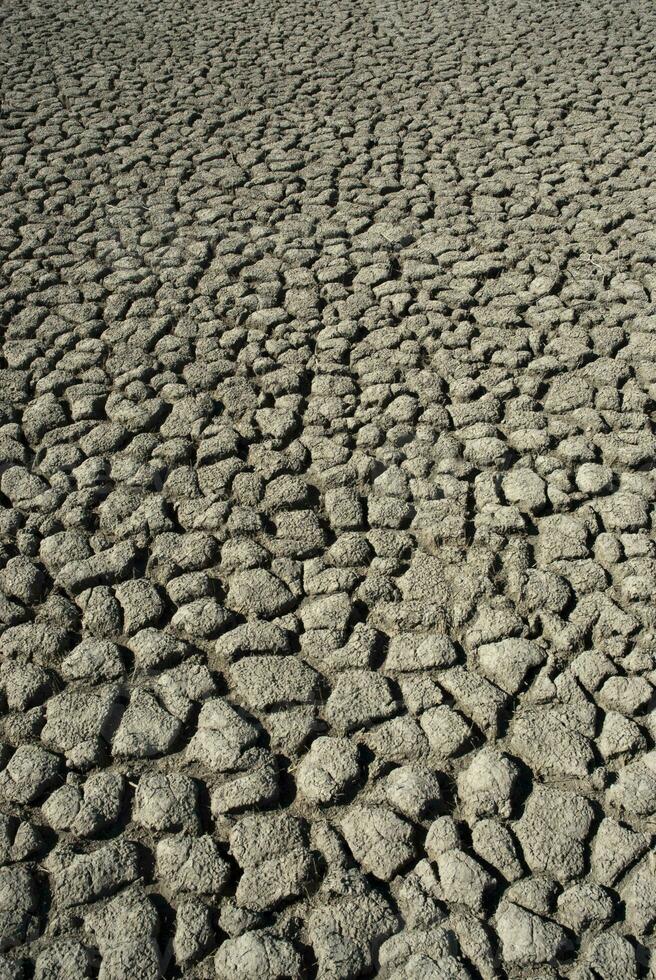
(327, 484)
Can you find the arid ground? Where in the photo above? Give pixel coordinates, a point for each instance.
(327, 485)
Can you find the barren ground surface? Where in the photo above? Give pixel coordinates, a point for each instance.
(327, 564)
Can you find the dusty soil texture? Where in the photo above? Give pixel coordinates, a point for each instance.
(327, 483)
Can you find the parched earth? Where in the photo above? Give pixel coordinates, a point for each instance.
(327, 483)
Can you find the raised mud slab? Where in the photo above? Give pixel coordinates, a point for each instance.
(327, 571)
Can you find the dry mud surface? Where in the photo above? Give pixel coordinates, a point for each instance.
(327, 568)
